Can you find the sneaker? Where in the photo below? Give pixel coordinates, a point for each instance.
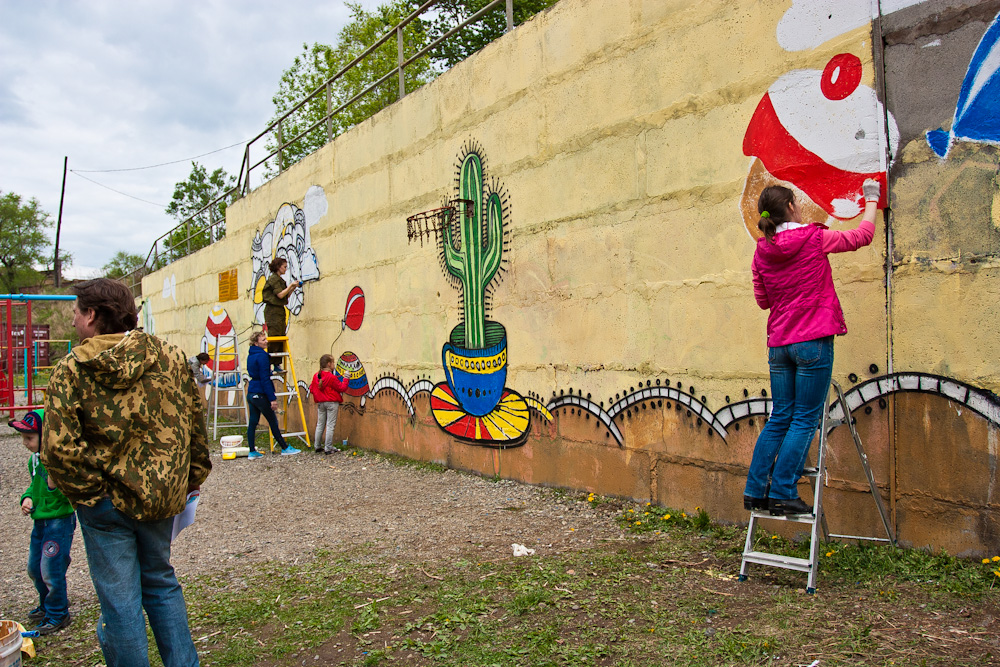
(48, 627)
(318, 450)
(36, 615)
(331, 450)
(289, 451)
(253, 456)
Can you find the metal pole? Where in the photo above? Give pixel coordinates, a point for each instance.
(62, 198)
(281, 149)
(399, 61)
(510, 15)
(329, 117)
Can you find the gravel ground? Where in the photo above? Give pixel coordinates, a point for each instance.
(286, 507)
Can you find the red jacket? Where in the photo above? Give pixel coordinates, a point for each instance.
(326, 387)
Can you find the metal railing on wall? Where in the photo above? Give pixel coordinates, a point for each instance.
(207, 225)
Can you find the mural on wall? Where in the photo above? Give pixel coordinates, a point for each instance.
(349, 366)
(821, 132)
(170, 287)
(219, 341)
(146, 319)
(474, 403)
(354, 311)
(976, 118)
(809, 23)
(287, 236)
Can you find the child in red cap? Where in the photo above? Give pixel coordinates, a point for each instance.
(52, 535)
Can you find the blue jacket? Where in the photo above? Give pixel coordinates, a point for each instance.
(259, 368)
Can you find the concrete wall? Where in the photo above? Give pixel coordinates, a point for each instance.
(625, 143)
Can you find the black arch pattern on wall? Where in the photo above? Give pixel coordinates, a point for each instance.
(982, 402)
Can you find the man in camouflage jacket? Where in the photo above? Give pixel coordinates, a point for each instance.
(124, 440)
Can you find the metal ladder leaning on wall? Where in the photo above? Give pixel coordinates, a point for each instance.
(290, 394)
(229, 383)
(816, 519)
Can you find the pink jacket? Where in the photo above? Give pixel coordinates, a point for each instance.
(326, 387)
(792, 278)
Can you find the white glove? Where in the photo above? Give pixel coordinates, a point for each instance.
(872, 189)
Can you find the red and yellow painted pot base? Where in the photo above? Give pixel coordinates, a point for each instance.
(506, 425)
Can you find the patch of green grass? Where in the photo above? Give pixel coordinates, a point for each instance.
(645, 600)
(404, 462)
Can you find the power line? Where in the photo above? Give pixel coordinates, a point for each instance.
(124, 194)
(154, 166)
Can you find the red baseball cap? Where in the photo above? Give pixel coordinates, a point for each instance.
(30, 423)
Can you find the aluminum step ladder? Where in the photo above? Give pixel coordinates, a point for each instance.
(228, 383)
(816, 520)
(290, 393)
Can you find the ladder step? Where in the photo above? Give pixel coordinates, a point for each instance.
(293, 435)
(285, 393)
(775, 560)
(794, 518)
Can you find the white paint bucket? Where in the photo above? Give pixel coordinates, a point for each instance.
(10, 644)
(231, 448)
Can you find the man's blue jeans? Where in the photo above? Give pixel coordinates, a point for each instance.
(48, 560)
(800, 382)
(130, 566)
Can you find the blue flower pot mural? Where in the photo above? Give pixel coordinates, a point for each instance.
(476, 376)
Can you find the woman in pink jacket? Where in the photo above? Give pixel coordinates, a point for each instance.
(326, 388)
(792, 278)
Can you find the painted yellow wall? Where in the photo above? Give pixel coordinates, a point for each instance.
(616, 129)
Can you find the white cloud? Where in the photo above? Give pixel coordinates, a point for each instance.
(809, 23)
(115, 85)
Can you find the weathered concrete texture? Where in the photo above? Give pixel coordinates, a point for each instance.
(615, 132)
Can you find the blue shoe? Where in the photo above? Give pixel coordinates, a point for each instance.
(253, 456)
(289, 451)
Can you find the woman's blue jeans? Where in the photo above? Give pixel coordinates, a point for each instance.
(130, 566)
(48, 560)
(800, 383)
(257, 405)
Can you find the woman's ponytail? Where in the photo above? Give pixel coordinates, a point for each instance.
(773, 206)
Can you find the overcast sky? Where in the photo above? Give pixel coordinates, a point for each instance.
(130, 83)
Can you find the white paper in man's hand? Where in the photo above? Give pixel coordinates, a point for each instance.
(186, 517)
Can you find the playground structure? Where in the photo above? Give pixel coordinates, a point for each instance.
(21, 349)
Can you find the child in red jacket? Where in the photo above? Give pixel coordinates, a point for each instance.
(326, 388)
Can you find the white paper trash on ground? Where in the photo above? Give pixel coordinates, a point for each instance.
(521, 550)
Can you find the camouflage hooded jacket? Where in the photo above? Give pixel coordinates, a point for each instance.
(123, 419)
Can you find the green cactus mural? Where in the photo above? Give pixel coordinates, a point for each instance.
(474, 404)
(476, 258)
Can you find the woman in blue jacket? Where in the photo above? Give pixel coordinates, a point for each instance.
(261, 399)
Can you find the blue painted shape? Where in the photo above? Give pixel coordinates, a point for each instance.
(939, 141)
(977, 113)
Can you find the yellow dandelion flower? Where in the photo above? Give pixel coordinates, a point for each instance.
(631, 510)
(996, 559)
(774, 537)
(645, 513)
(829, 553)
(683, 514)
(996, 572)
(648, 504)
(666, 516)
(638, 523)
(986, 560)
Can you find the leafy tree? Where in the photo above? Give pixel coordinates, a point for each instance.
(198, 202)
(23, 241)
(474, 36)
(122, 264)
(319, 62)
